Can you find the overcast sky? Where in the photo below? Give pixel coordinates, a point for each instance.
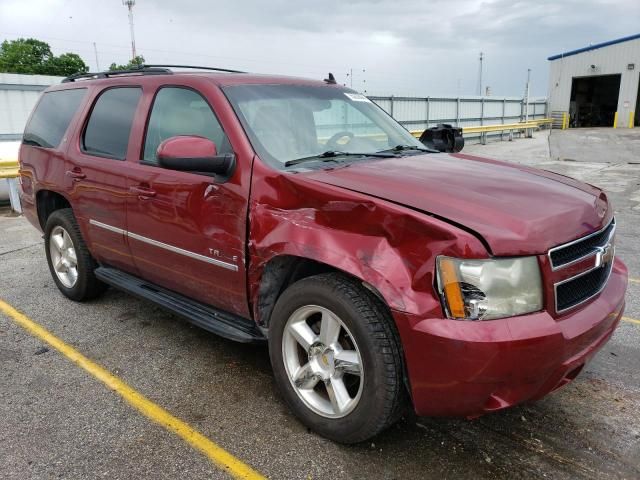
(406, 47)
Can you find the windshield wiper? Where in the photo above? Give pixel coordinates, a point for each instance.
(329, 156)
(401, 148)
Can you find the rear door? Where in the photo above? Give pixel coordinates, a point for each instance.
(96, 173)
(42, 159)
(187, 231)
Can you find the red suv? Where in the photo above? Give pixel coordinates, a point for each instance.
(298, 213)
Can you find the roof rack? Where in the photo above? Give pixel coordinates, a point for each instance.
(196, 67)
(141, 70)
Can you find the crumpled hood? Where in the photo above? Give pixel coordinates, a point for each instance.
(517, 210)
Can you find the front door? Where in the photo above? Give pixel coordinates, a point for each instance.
(187, 231)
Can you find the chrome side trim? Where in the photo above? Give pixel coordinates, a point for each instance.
(171, 248)
(180, 251)
(107, 227)
(581, 239)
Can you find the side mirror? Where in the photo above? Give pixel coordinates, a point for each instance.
(191, 153)
(444, 138)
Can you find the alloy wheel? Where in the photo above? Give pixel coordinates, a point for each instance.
(63, 257)
(322, 361)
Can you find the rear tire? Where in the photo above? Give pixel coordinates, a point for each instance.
(70, 263)
(336, 358)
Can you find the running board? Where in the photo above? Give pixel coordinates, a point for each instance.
(216, 321)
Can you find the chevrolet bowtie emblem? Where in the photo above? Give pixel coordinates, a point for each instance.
(604, 254)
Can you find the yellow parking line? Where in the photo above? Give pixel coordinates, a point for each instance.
(634, 280)
(632, 320)
(223, 459)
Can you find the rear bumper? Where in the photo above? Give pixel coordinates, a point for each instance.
(471, 368)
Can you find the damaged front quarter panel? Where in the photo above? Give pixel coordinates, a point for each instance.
(390, 247)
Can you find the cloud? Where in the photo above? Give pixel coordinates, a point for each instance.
(422, 47)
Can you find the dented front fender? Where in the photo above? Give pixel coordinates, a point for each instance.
(389, 246)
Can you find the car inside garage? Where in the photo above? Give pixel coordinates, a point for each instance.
(594, 100)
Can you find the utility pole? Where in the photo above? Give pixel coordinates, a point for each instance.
(350, 77)
(95, 50)
(526, 96)
(129, 4)
(480, 74)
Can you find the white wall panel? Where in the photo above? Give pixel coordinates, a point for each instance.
(18, 95)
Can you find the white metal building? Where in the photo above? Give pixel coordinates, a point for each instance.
(18, 96)
(598, 85)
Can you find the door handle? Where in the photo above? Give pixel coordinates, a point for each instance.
(144, 193)
(75, 174)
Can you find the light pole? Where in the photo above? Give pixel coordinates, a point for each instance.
(526, 104)
(480, 74)
(129, 4)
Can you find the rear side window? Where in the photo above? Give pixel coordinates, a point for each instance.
(109, 126)
(52, 116)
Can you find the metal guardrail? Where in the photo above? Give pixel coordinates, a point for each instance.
(8, 168)
(9, 171)
(483, 130)
(416, 113)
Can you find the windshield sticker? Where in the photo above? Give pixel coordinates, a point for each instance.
(357, 97)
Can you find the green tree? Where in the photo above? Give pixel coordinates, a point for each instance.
(134, 63)
(67, 64)
(34, 57)
(24, 56)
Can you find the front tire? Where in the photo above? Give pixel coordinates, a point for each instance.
(336, 358)
(72, 266)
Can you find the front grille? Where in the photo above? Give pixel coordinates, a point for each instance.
(581, 248)
(579, 289)
(597, 247)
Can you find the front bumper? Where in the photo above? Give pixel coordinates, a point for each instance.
(470, 368)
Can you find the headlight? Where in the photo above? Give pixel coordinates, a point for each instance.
(488, 289)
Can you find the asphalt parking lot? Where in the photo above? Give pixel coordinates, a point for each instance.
(58, 421)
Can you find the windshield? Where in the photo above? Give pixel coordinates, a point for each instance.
(291, 122)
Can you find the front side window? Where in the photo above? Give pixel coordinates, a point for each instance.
(180, 111)
(109, 127)
(291, 122)
(52, 117)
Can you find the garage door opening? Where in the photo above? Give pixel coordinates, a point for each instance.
(594, 101)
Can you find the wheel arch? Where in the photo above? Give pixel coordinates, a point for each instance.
(47, 202)
(284, 270)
